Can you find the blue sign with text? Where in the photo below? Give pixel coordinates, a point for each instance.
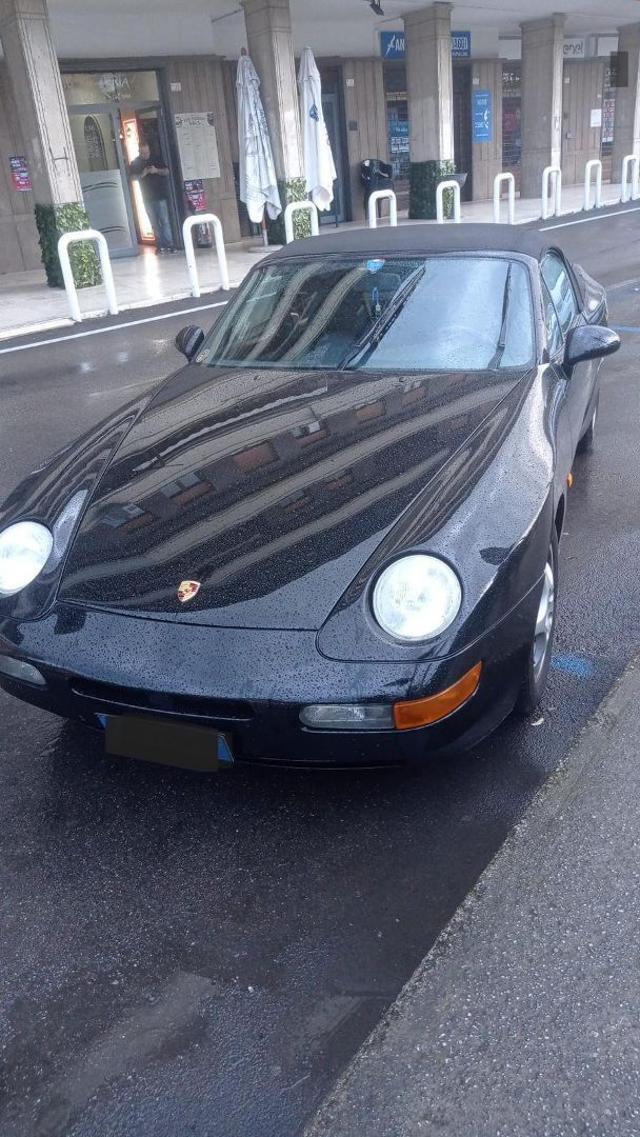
(482, 116)
(393, 45)
(461, 45)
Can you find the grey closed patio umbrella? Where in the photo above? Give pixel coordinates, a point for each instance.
(258, 183)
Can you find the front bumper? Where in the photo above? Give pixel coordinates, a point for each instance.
(252, 684)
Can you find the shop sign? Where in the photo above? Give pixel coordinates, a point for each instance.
(198, 145)
(20, 175)
(393, 45)
(575, 48)
(482, 116)
(461, 45)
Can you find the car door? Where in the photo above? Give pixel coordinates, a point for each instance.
(558, 283)
(559, 404)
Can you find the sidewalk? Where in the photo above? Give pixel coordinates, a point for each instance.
(28, 305)
(523, 1020)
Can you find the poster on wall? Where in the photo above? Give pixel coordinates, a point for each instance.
(20, 175)
(198, 145)
(482, 116)
(195, 195)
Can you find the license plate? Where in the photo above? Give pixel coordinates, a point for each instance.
(168, 743)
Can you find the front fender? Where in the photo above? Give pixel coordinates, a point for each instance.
(488, 513)
(43, 495)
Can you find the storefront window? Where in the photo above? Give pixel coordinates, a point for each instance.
(112, 113)
(608, 112)
(511, 120)
(397, 109)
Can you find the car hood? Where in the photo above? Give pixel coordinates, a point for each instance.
(270, 489)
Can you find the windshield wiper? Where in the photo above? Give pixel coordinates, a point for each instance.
(373, 336)
(496, 359)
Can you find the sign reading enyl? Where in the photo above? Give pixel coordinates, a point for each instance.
(393, 45)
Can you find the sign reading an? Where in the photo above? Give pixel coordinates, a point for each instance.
(20, 175)
(482, 116)
(198, 145)
(393, 45)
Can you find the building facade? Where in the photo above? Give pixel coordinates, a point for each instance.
(81, 88)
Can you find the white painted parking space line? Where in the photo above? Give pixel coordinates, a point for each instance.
(588, 220)
(113, 327)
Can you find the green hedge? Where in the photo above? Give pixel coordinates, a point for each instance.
(423, 181)
(293, 190)
(52, 222)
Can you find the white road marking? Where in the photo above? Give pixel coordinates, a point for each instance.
(586, 220)
(113, 327)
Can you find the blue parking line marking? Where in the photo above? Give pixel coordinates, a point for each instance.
(624, 328)
(577, 665)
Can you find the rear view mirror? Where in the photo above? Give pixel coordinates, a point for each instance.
(590, 341)
(189, 340)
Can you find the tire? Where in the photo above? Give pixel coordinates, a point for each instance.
(587, 442)
(541, 646)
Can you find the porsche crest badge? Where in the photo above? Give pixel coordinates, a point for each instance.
(187, 589)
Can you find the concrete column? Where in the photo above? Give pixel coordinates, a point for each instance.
(626, 135)
(486, 157)
(37, 90)
(542, 44)
(36, 85)
(270, 45)
(430, 104)
(430, 83)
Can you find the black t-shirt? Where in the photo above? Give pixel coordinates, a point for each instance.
(153, 186)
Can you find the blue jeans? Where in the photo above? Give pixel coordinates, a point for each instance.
(158, 211)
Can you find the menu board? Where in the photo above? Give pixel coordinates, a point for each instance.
(198, 145)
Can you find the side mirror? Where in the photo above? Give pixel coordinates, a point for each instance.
(189, 340)
(590, 341)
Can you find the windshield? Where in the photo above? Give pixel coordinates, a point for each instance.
(384, 314)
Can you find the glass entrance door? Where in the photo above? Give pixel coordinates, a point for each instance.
(96, 137)
(330, 112)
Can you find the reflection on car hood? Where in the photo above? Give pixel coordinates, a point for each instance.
(269, 488)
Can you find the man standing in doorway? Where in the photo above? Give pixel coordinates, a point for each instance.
(151, 172)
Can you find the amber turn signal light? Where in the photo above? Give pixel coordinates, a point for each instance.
(422, 712)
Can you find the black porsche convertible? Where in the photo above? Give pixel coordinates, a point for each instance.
(331, 537)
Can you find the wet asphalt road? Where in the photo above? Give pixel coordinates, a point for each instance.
(201, 955)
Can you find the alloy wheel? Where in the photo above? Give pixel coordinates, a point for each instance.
(544, 621)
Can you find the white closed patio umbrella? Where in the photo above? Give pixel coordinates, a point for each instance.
(319, 167)
(258, 182)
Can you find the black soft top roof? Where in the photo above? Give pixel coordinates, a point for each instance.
(449, 238)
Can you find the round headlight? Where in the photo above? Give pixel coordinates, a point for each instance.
(25, 549)
(416, 598)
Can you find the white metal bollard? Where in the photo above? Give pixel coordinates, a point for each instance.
(630, 185)
(372, 206)
(593, 164)
(440, 191)
(497, 190)
(294, 207)
(67, 273)
(187, 236)
(556, 173)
